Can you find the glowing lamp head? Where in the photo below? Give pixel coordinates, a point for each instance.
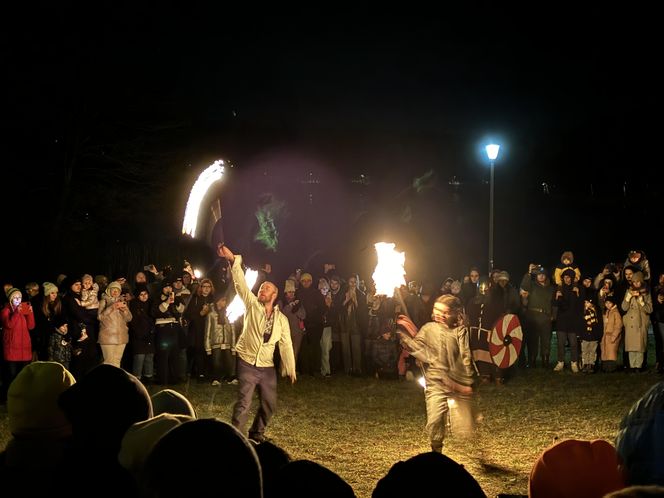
(492, 151)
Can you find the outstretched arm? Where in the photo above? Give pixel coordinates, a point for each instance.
(239, 281)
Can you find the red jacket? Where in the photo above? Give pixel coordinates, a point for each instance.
(15, 334)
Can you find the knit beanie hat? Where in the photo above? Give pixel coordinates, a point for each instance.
(573, 468)
(170, 401)
(49, 287)
(67, 284)
(289, 286)
(32, 401)
(112, 285)
(141, 437)
(12, 291)
(306, 276)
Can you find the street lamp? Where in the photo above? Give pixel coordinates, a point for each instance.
(492, 153)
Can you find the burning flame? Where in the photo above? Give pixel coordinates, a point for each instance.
(236, 309)
(389, 272)
(211, 174)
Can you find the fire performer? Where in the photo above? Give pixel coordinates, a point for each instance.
(443, 346)
(264, 326)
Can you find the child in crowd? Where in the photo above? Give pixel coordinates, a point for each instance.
(612, 334)
(89, 293)
(566, 263)
(220, 341)
(590, 337)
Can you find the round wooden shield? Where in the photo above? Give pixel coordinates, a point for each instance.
(505, 341)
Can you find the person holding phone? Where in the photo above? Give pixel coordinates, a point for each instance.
(113, 318)
(167, 310)
(18, 320)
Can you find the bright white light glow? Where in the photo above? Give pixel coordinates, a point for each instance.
(197, 273)
(389, 272)
(236, 309)
(211, 174)
(451, 402)
(492, 151)
(422, 382)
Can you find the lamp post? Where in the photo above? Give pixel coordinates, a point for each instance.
(492, 154)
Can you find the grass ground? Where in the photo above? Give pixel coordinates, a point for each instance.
(359, 427)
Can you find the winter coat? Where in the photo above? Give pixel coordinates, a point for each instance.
(594, 325)
(612, 332)
(112, 322)
(570, 310)
(16, 327)
(636, 320)
(90, 297)
(197, 321)
(218, 335)
(141, 327)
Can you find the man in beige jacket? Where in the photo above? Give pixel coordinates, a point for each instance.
(264, 327)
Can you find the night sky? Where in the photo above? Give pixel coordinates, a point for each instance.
(111, 114)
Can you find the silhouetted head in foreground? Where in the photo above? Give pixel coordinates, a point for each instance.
(428, 474)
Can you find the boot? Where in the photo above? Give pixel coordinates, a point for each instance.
(545, 361)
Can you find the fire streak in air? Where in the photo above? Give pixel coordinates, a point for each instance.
(211, 174)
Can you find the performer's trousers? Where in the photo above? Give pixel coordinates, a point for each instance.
(250, 378)
(436, 397)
